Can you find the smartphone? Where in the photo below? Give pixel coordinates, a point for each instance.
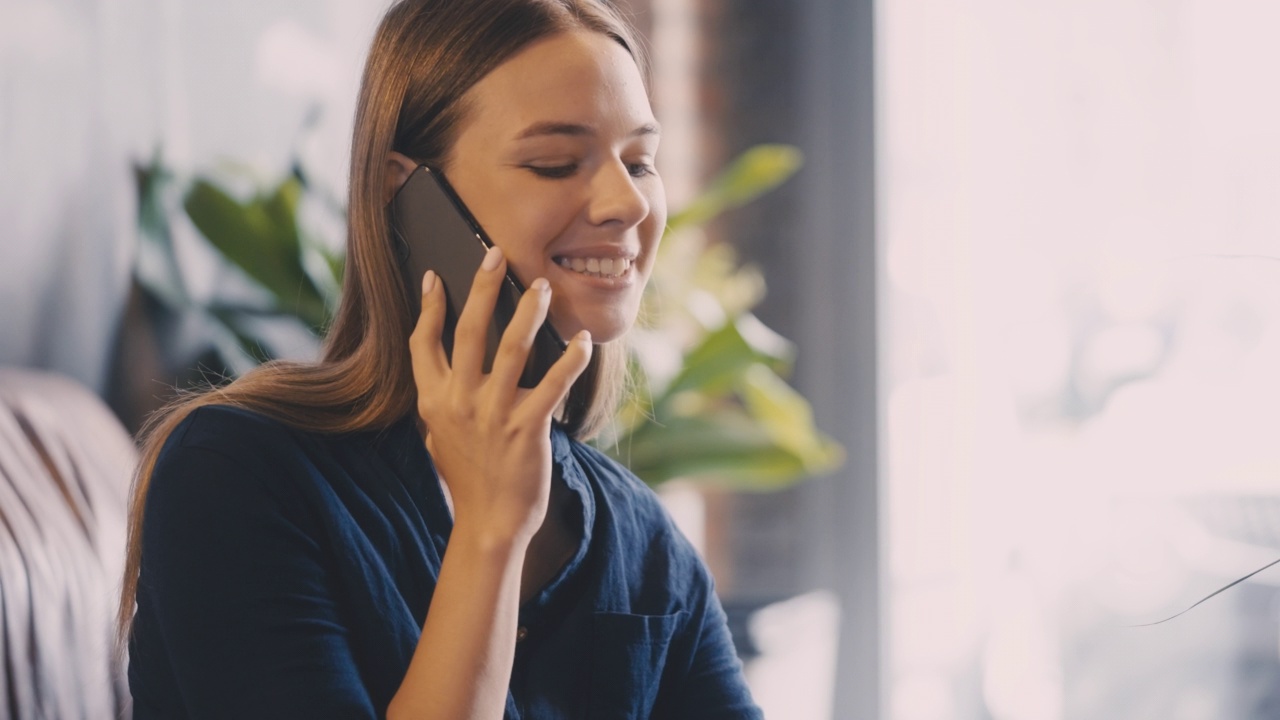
(435, 231)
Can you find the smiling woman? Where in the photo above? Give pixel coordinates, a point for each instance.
(557, 164)
(391, 532)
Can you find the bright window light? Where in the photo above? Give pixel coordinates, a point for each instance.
(1081, 333)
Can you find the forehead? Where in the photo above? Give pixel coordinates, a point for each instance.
(576, 77)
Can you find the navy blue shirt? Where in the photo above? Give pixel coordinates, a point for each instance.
(288, 574)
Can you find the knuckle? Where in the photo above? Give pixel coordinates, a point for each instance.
(418, 338)
(513, 349)
(422, 331)
(426, 408)
(511, 434)
(461, 407)
(467, 332)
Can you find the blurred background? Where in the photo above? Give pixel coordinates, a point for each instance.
(1030, 267)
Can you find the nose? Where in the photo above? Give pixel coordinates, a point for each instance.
(616, 197)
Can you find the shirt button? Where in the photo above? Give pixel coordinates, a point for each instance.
(522, 632)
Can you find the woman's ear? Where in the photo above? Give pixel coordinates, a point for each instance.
(399, 168)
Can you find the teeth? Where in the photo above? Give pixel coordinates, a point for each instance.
(597, 267)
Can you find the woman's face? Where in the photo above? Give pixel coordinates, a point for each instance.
(555, 160)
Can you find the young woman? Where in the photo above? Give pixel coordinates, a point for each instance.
(386, 533)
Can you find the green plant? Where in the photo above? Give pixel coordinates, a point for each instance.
(711, 402)
(289, 274)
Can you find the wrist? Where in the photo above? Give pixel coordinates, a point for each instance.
(488, 541)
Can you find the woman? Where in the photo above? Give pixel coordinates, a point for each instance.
(384, 533)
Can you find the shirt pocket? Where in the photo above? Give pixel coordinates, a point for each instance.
(628, 653)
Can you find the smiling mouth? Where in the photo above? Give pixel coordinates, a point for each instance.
(597, 267)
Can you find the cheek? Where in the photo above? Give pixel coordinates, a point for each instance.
(658, 204)
(651, 232)
(528, 225)
(523, 234)
(656, 224)
(657, 196)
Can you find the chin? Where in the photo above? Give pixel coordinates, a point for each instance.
(603, 330)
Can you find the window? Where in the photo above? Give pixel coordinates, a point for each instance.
(1081, 303)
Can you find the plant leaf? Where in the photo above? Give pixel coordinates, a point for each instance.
(709, 447)
(787, 417)
(713, 366)
(251, 347)
(239, 353)
(156, 265)
(261, 238)
(753, 173)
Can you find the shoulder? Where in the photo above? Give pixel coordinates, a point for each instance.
(222, 451)
(249, 440)
(226, 430)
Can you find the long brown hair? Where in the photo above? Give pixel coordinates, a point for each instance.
(425, 55)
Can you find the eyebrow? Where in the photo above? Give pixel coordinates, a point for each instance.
(577, 130)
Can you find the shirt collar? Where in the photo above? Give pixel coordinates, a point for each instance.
(574, 476)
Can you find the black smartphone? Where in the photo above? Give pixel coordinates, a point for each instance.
(435, 231)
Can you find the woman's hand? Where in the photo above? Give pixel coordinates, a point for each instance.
(489, 438)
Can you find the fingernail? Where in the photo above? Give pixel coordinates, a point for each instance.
(428, 281)
(540, 285)
(583, 336)
(492, 258)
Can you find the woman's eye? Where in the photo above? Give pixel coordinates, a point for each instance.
(554, 171)
(640, 169)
